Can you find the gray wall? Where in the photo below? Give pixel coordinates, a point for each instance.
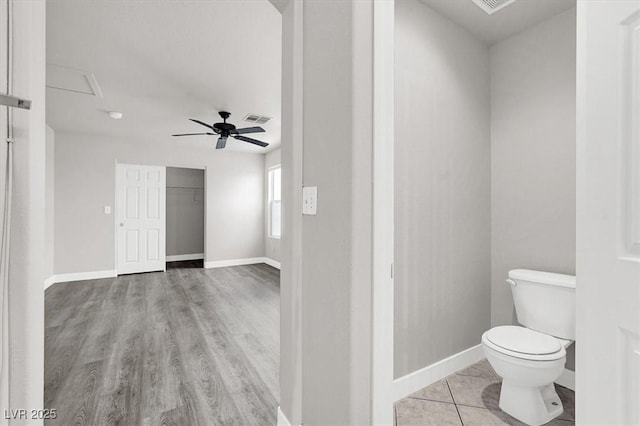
(271, 245)
(442, 188)
(326, 264)
(326, 240)
(85, 183)
(185, 211)
(49, 203)
(533, 114)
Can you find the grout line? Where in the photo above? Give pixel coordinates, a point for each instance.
(432, 400)
(446, 380)
(454, 401)
(477, 376)
(484, 406)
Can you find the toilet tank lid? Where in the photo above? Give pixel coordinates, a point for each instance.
(548, 278)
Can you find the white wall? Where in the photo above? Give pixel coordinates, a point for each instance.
(185, 211)
(291, 242)
(533, 148)
(442, 188)
(271, 245)
(26, 264)
(336, 245)
(85, 183)
(49, 203)
(325, 373)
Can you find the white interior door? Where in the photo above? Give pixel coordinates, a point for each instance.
(141, 217)
(608, 213)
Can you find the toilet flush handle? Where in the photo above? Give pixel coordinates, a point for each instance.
(512, 282)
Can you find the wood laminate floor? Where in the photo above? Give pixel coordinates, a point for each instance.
(184, 347)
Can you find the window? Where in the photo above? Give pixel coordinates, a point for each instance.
(275, 194)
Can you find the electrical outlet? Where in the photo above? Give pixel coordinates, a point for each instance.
(309, 200)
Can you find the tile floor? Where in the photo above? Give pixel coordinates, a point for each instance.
(469, 397)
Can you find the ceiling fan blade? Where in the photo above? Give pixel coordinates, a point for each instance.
(251, 140)
(204, 124)
(247, 130)
(193, 134)
(222, 142)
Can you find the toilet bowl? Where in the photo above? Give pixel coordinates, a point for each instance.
(531, 357)
(528, 362)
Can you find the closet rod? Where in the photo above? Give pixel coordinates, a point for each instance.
(183, 187)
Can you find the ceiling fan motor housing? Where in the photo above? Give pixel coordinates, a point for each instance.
(225, 128)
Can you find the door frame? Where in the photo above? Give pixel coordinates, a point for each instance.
(205, 198)
(382, 395)
(115, 207)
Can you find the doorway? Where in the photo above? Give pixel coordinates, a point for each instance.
(185, 217)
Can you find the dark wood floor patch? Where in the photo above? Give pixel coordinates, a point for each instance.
(186, 347)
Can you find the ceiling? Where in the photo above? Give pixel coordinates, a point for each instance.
(502, 24)
(161, 63)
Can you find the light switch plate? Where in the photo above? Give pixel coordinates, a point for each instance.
(309, 200)
(107, 209)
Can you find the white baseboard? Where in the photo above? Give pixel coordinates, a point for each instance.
(181, 257)
(567, 379)
(49, 281)
(81, 276)
(413, 382)
(234, 262)
(239, 262)
(272, 262)
(94, 275)
(282, 419)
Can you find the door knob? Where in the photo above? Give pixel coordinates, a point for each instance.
(121, 225)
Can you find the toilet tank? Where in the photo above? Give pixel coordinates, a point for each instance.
(545, 301)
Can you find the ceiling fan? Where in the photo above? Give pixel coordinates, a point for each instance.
(225, 130)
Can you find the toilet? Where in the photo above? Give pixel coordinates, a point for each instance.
(529, 358)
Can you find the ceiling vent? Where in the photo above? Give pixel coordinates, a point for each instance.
(257, 119)
(492, 6)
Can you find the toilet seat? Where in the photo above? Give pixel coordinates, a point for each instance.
(524, 343)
